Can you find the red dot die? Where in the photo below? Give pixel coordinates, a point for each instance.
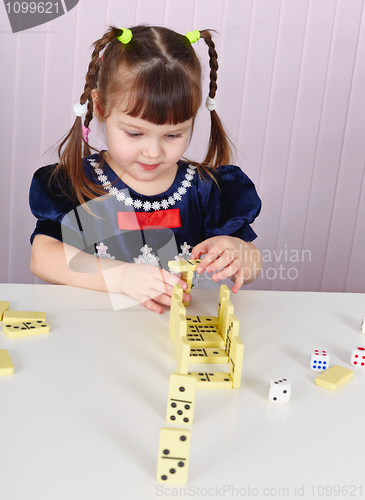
(358, 356)
(319, 361)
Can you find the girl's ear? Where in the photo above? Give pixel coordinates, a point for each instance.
(98, 112)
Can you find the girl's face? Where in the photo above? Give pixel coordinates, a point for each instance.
(142, 149)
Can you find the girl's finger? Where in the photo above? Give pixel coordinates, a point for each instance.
(228, 271)
(238, 281)
(213, 254)
(200, 249)
(223, 261)
(152, 306)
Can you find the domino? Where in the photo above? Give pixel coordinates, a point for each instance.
(208, 355)
(224, 294)
(6, 365)
(221, 380)
(212, 380)
(181, 399)
(177, 309)
(185, 352)
(4, 306)
(334, 377)
(232, 330)
(202, 320)
(173, 456)
(198, 335)
(202, 339)
(187, 269)
(11, 317)
(204, 336)
(226, 310)
(178, 291)
(235, 361)
(188, 277)
(182, 354)
(180, 266)
(14, 330)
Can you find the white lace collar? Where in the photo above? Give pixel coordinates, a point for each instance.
(146, 205)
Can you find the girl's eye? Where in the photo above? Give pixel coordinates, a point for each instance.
(173, 136)
(134, 134)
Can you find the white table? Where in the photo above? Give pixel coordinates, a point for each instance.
(81, 416)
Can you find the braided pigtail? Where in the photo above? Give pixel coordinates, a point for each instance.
(74, 146)
(219, 149)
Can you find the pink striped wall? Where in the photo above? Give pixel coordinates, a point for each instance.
(291, 91)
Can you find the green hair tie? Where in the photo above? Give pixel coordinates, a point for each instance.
(193, 36)
(126, 36)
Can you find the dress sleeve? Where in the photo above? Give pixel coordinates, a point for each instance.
(46, 205)
(232, 206)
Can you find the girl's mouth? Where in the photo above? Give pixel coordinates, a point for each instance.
(148, 167)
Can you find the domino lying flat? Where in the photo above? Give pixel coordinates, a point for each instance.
(334, 377)
(21, 316)
(14, 330)
(6, 366)
(219, 380)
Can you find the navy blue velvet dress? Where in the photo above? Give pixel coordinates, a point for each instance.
(130, 227)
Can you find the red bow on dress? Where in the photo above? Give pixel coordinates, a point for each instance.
(141, 220)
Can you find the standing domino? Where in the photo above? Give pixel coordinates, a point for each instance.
(319, 361)
(4, 306)
(358, 356)
(173, 456)
(279, 391)
(181, 399)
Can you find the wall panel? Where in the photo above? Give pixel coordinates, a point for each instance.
(291, 85)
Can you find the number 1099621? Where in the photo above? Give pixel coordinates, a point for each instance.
(33, 7)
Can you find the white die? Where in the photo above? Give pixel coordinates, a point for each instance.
(358, 356)
(363, 325)
(279, 391)
(319, 361)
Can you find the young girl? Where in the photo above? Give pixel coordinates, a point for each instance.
(112, 220)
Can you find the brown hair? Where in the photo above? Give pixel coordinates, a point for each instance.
(160, 74)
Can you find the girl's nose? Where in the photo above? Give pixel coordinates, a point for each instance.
(152, 149)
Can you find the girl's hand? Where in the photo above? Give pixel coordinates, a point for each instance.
(151, 285)
(228, 257)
